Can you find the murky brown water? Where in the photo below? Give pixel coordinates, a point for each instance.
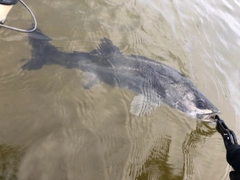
(51, 128)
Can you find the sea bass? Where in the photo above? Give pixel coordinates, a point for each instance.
(154, 82)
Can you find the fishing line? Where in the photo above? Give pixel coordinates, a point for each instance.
(23, 30)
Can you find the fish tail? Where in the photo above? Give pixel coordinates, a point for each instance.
(42, 50)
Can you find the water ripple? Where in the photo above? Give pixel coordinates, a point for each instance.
(65, 126)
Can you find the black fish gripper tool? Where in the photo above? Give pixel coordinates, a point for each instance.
(228, 135)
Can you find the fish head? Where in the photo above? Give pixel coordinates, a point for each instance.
(196, 105)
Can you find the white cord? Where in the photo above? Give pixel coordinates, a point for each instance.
(22, 30)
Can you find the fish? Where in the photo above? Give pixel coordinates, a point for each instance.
(154, 82)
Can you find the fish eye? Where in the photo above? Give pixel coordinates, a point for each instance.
(201, 104)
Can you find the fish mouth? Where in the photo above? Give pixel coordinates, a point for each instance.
(208, 117)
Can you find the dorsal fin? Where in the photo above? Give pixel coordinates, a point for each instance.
(106, 47)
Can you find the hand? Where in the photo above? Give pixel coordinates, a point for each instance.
(233, 158)
(234, 175)
(232, 147)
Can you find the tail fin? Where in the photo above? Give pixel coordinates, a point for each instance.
(42, 50)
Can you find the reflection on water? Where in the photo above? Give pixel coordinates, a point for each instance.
(10, 159)
(52, 128)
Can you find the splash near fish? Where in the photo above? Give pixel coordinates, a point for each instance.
(154, 82)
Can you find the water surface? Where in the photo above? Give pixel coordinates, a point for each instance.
(52, 128)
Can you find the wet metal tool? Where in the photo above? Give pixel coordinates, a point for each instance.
(5, 7)
(228, 135)
(232, 148)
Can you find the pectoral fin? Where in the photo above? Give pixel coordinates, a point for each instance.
(142, 105)
(90, 80)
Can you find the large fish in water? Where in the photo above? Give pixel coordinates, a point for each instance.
(154, 82)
